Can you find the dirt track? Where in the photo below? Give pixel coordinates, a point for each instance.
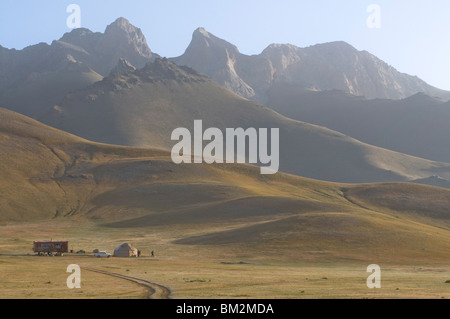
(154, 290)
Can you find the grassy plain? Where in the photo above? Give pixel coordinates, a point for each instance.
(224, 271)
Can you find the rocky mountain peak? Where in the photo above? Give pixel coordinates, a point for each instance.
(201, 32)
(69, 37)
(122, 34)
(280, 47)
(336, 45)
(424, 99)
(123, 67)
(163, 69)
(203, 40)
(120, 24)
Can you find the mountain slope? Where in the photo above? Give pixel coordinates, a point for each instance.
(51, 175)
(41, 90)
(143, 107)
(335, 65)
(417, 125)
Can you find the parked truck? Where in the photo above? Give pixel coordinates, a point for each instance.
(50, 248)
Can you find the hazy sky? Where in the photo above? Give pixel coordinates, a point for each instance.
(413, 35)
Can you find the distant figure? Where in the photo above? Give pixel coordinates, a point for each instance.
(153, 253)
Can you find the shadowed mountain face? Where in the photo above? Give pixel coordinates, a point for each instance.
(37, 77)
(417, 125)
(143, 107)
(328, 66)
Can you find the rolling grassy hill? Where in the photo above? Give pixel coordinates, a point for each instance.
(49, 175)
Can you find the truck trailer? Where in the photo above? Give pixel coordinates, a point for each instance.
(51, 248)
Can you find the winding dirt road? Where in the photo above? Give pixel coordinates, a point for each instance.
(154, 290)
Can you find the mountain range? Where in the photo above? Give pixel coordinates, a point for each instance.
(328, 66)
(111, 88)
(37, 77)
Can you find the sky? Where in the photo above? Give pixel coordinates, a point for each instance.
(411, 35)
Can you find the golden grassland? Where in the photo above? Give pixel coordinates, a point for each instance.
(223, 271)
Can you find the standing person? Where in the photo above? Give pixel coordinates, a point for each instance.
(153, 253)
